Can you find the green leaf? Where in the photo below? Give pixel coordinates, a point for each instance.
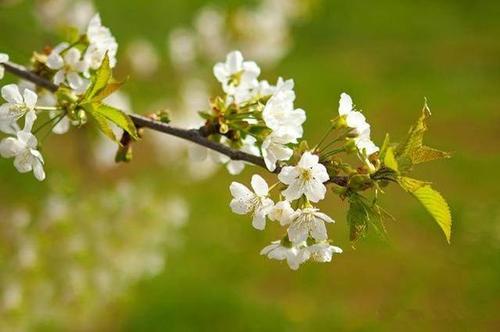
(205, 115)
(412, 142)
(361, 213)
(436, 205)
(412, 151)
(110, 88)
(385, 146)
(103, 125)
(433, 202)
(99, 80)
(390, 160)
(425, 154)
(357, 219)
(410, 184)
(415, 135)
(118, 117)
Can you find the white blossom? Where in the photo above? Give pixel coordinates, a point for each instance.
(279, 113)
(3, 59)
(281, 212)
(357, 121)
(286, 87)
(322, 252)
(275, 148)
(366, 145)
(308, 222)
(258, 203)
(238, 77)
(306, 178)
(293, 255)
(101, 42)
(17, 105)
(264, 88)
(24, 149)
(69, 65)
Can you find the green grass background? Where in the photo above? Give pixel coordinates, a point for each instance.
(388, 55)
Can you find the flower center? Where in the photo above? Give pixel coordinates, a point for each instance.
(235, 78)
(306, 174)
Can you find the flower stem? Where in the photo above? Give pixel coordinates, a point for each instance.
(46, 108)
(317, 148)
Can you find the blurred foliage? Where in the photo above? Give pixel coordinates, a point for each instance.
(387, 54)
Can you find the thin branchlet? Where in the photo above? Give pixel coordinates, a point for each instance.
(197, 136)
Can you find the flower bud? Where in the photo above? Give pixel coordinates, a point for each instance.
(339, 122)
(81, 116)
(224, 128)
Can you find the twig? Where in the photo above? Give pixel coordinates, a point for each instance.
(197, 136)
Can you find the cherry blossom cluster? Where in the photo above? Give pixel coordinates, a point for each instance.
(261, 30)
(306, 236)
(255, 116)
(259, 118)
(70, 65)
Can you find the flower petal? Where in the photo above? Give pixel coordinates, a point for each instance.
(259, 221)
(59, 77)
(55, 61)
(297, 233)
(308, 160)
(345, 104)
(315, 191)
(22, 162)
(288, 174)
(269, 159)
(10, 147)
(240, 206)
(75, 81)
(318, 230)
(320, 173)
(72, 57)
(38, 171)
(234, 62)
(238, 190)
(259, 185)
(220, 72)
(324, 217)
(294, 191)
(267, 249)
(11, 94)
(62, 127)
(30, 98)
(29, 120)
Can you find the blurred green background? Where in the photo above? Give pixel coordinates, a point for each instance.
(388, 55)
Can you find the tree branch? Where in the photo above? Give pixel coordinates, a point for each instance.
(194, 135)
